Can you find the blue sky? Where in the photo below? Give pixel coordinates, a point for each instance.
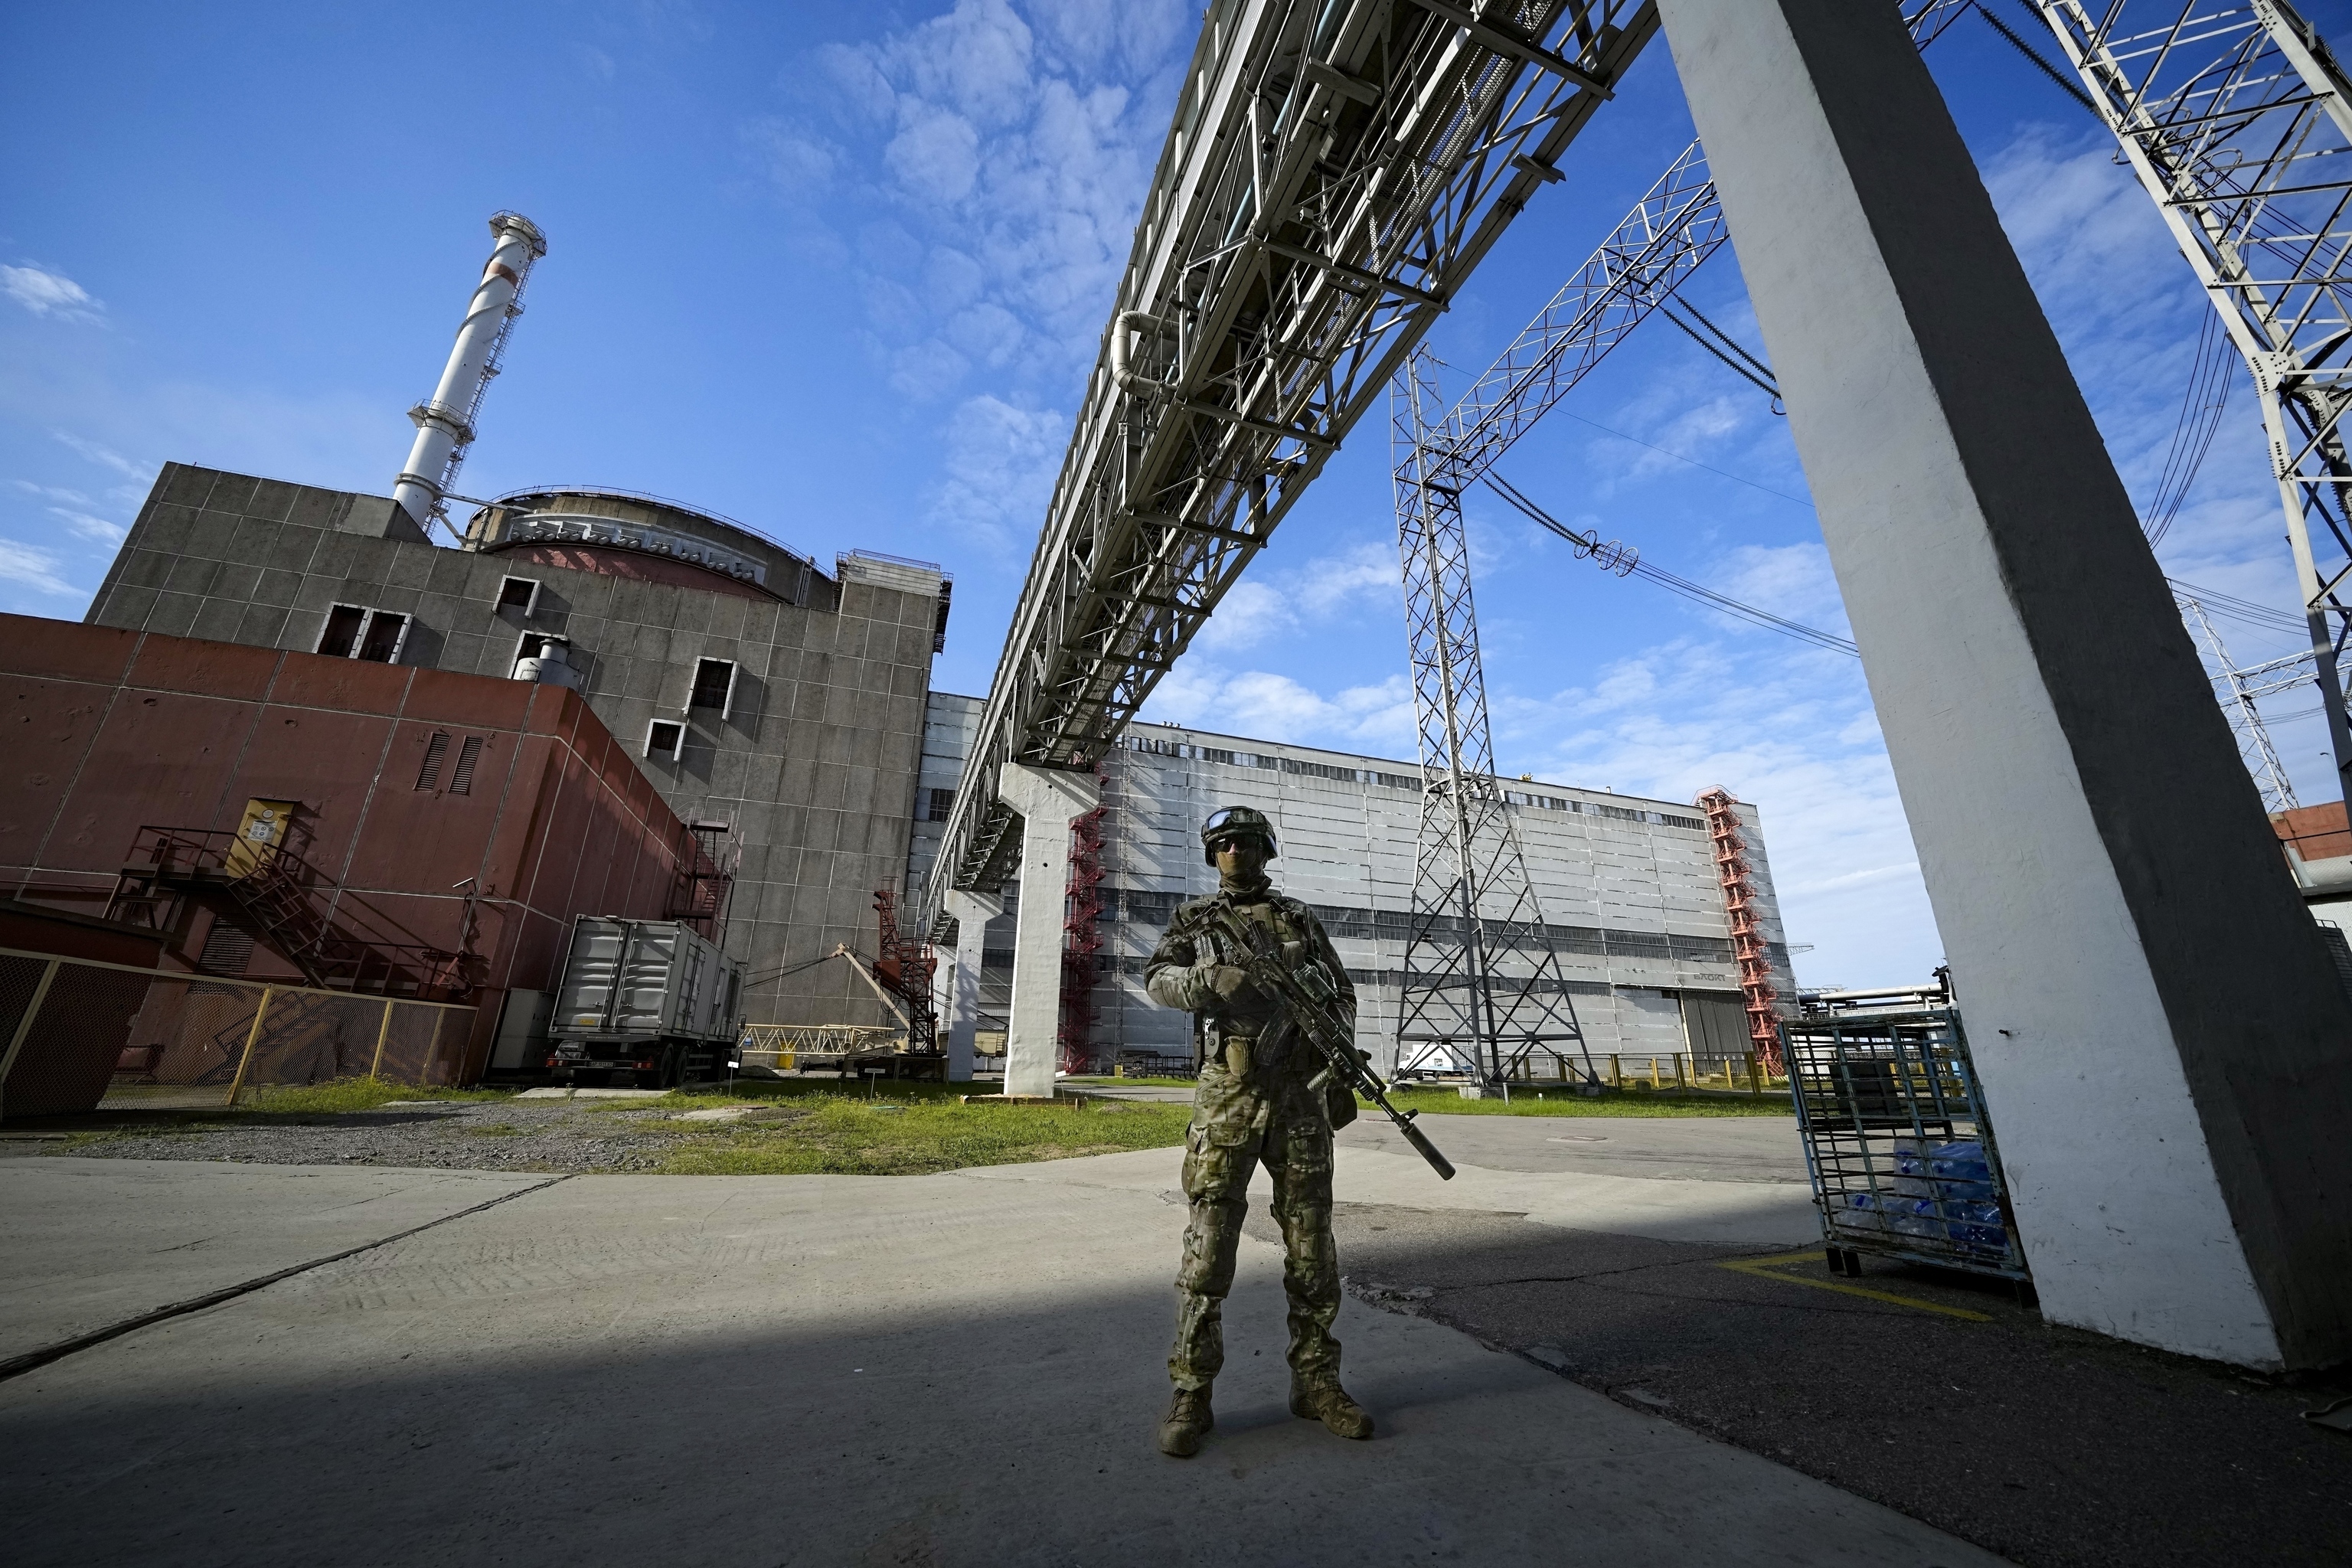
(840, 272)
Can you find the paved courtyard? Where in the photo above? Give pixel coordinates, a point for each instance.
(956, 1369)
(1610, 1339)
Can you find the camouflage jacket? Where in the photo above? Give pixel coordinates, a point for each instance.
(1180, 970)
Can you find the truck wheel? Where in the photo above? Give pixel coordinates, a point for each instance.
(673, 1066)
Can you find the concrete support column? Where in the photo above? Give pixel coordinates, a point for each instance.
(2164, 1048)
(1049, 801)
(972, 912)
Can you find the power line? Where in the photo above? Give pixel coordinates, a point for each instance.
(2022, 47)
(1715, 341)
(1624, 561)
(2192, 432)
(2238, 609)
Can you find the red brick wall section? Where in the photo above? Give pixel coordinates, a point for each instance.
(110, 731)
(2317, 832)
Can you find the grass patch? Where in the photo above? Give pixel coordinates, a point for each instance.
(913, 1134)
(767, 1092)
(498, 1129)
(1566, 1103)
(1154, 1082)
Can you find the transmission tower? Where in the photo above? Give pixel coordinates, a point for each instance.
(1482, 985)
(2243, 685)
(2238, 121)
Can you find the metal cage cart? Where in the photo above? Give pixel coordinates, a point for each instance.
(1902, 1155)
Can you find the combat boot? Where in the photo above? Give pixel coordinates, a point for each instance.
(1189, 1419)
(1328, 1402)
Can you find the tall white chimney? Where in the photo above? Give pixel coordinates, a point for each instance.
(445, 422)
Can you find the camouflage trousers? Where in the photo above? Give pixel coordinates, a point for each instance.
(1235, 1126)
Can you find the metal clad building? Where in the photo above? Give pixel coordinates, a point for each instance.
(750, 686)
(1629, 886)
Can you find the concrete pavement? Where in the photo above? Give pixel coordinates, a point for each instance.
(939, 1370)
(87, 1245)
(1706, 1148)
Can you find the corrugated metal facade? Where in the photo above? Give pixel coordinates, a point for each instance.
(1628, 885)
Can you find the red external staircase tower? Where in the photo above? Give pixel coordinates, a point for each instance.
(1746, 935)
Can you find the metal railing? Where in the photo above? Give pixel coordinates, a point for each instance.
(76, 1032)
(304, 915)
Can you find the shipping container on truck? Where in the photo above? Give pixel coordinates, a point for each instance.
(648, 1002)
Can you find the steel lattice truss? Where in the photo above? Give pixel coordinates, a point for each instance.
(1335, 171)
(1670, 233)
(2243, 687)
(1481, 977)
(2238, 120)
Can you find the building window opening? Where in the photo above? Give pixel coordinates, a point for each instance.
(942, 806)
(354, 631)
(714, 686)
(382, 641)
(429, 775)
(342, 631)
(665, 738)
(519, 594)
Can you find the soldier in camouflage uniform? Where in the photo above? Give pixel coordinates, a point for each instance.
(1255, 1102)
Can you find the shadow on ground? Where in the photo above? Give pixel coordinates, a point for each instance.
(2049, 1446)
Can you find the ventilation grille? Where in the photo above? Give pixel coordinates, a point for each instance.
(461, 778)
(435, 749)
(227, 950)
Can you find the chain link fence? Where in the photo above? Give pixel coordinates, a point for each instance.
(80, 1033)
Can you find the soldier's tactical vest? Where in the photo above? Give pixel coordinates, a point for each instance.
(1267, 1047)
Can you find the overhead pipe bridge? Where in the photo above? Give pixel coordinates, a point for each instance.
(1334, 171)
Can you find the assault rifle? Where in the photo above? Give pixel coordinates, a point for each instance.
(1311, 996)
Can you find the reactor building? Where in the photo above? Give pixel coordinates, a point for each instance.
(781, 716)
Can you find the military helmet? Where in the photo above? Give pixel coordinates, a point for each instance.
(1232, 821)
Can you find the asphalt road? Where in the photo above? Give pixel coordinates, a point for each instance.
(1692, 1148)
(1696, 1148)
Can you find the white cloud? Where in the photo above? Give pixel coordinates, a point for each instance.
(1285, 602)
(47, 293)
(1000, 464)
(987, 332)
(104, 456)
(975, 58)
(1376, 718)
(35, 569)
(1790, 579)
(85, 526)
(798, 161)
(926, 371)
(594, 62)
(936, 154)
(1018, 152)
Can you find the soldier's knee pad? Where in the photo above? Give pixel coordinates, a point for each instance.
(1210, 1243)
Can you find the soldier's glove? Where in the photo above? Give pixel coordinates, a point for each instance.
(1237, 995)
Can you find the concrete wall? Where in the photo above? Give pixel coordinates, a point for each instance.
(2163, 1043)
(1628, 886)
(815, 762)
(120, 731)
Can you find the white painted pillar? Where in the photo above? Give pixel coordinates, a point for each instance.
(2164, 1048)
(1049, 801)
(972, 912)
